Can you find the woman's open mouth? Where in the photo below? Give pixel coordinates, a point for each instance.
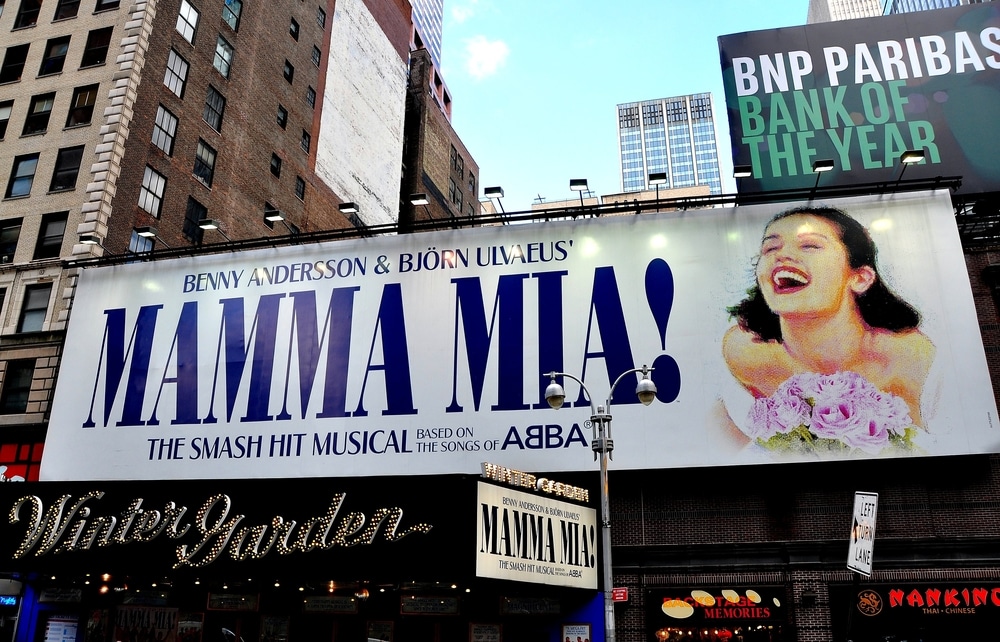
(786, 280)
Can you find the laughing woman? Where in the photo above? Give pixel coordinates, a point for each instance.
(832, 357)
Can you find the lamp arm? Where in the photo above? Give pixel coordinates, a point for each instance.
(644, 370)
(554, 374)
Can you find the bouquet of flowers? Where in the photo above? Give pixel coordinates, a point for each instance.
(834, 414)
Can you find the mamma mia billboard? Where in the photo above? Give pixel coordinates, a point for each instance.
(861, 92)
(847, 330)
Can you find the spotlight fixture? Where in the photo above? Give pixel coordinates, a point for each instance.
(89, 239)
(493, 192)
(822, 165)
(418, 199)
(348, 208)
(743, 171)
(146, 231)
(208, 224)
(657, 178)
(912, 156)
(273, 215)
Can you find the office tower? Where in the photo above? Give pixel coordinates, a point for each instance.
(428, 18)
(673, 136)
(906, 6)
(830, 10)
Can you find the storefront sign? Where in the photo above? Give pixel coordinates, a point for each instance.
(513, 477)
(529, 606)
(619, 594)
(77, 523)
(329, 604)
(428, 605)
(232, 601)
(485, 632)
(423, 354)
(530, 538)
(717, 604)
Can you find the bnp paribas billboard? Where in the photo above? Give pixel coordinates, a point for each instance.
(861, 92)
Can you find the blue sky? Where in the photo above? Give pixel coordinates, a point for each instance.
(535, 83)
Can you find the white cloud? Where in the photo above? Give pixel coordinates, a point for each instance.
(461, 13)
(484, 57)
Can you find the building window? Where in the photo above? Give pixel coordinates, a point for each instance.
(138, 244)
(151, 194)
(13, 63)
(10, 230)
(293, 29)
(321, 17)
(23, 459)
(37, 119)
(472, 183)
(50, 236)
(96, 51)
(452, 188)
(300, 188)
(164, 129)
(5, 108)
(275, 164)
(81, 109)
(187, 21)
(105, 5)
(55, 56)
(231, 13)
(282, 116)
(22, 174)
(311, 97)
(317, 55)
(27, 14)
(194, 213)
(306, 141)
(176, 76)
(36, 304)
(16, 386)
(215, 105)
(289, 72)
(457, 163)
(223, 56)
(66, 9)
(204, 163)
(67, 169)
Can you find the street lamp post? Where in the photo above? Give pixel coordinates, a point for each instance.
(602, 444)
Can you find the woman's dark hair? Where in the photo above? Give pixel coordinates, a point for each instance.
(879, 306)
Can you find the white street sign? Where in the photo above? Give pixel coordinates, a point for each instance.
(859, 556)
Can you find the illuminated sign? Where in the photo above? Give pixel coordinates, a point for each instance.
(527, 538)
(718, 604)
(424, 355)
(74, 523)
(527, 480)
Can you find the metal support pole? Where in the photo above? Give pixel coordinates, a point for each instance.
(602, 446)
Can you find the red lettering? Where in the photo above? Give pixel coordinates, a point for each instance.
(933, 597)
(896, 597)
(951, 597)
(965, 596)
(914, 598)
(995, 596)
(979, 596)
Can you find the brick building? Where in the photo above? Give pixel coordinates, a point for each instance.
(125, 126)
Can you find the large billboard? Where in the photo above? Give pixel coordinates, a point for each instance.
(424, 353)
(861, 92)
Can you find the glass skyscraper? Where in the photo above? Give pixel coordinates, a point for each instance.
(675, 136)
(428, 18)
